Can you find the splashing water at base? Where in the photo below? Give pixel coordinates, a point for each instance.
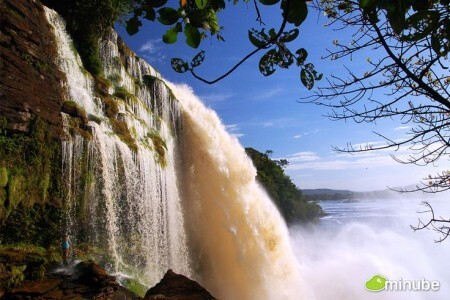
(359, 240)
(238, 240)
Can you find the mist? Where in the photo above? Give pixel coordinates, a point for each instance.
(359, 240)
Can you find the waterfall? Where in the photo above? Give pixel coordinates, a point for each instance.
(240, 243)
(158, 183)
(122, 204)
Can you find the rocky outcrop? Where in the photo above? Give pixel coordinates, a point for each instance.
(174, 286)
(86, 280)
(30, 82)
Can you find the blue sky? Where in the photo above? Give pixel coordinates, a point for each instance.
(263, 112)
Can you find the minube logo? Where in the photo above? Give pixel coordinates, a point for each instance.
(376, 283)
(379, 283)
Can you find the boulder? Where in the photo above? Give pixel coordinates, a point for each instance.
(174, 286)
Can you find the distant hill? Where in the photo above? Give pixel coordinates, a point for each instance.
(327, 194)
(290, 200)
(330, 194)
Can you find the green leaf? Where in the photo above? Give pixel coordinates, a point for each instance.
(201, 4)
(168, 16)
(193, 36)
(269, 2)
(256, 38)
(150, 14)
(307, 78)
(170, 36)
(284, 58)
(198, 59)
(272, 33)
(424, 23)
(297, 12)
(366, 3)
(289, 36)
(267, 62)
(179, 65)
(301, 56)
(217, 4)
(133, 25)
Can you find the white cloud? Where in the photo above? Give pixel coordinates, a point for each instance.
(232, 127)
(233, 130)
(150, 51)
(297, 136)
(151, 46)
(311, 132)
(303, 156)
(363, 163)
(269, 94)
(268, 124)
(402, 128)
(216, 97)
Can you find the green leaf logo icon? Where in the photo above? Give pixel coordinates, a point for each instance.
(376, 283)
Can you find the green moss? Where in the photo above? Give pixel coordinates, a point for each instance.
(123, 93)
(115, 79)
(94, 118)
(135, 286)
(3, 177)
(73, 109)
(33, 169)
(19, 262)
(160, 147)
(111, 107)
(102, 85)
(15, 191)
(122, 131)
(117, 62)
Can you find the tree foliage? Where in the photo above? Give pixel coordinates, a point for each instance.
(198, 19)
(407, 44)
(289, 199)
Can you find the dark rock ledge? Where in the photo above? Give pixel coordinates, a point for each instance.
(87, 280)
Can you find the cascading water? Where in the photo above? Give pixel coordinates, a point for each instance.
(184, 198)
(123, 203)
(239, 241)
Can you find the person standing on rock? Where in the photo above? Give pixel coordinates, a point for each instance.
(65, 246)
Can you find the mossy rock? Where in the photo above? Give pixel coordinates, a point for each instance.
(74, 110)
(16, 191)
(102, 85)
(160, 147)
(111, 107)
(133, 285)
(95, 119)
(3, 177)
(123, 132)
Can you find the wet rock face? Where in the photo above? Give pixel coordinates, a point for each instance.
(177, 287)
(30, 78)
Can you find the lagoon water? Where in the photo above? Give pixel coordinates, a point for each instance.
(359, 239)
